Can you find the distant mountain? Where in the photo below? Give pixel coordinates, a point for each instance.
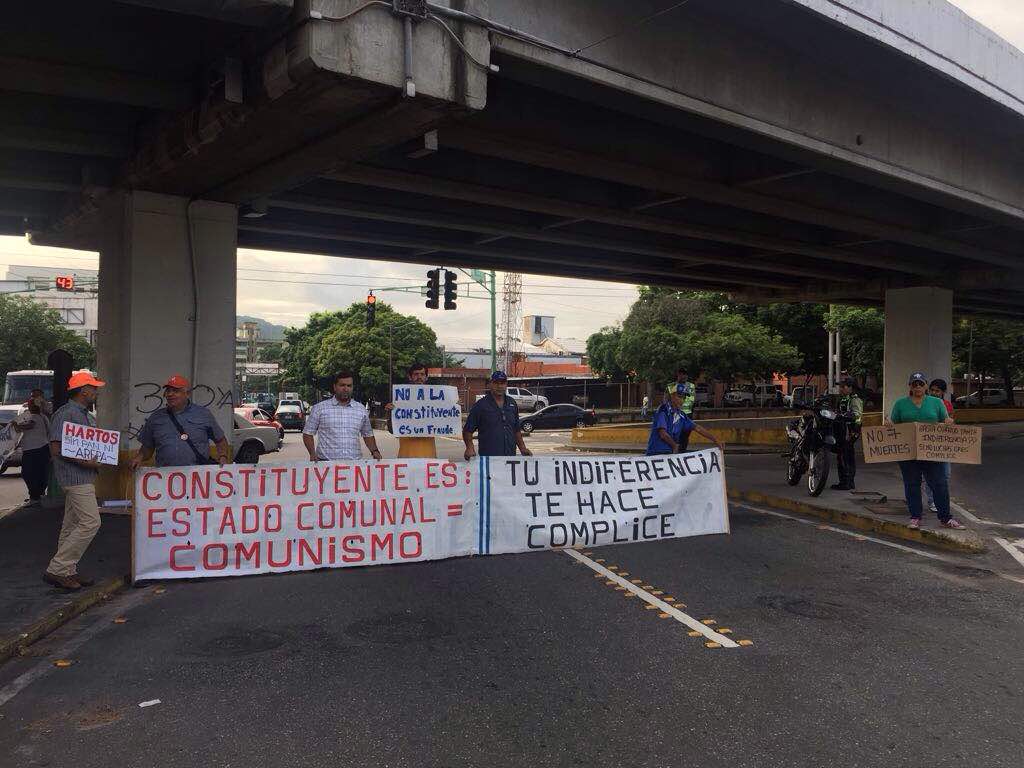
(267, 329)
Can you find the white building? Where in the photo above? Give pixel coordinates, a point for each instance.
(78, 307)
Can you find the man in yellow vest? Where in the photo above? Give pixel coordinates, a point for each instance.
(415, 447)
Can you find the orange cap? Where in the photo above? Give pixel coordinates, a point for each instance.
(83, 379)
(177, 381)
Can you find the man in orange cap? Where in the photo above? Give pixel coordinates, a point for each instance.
(78, 479)
(180, 434)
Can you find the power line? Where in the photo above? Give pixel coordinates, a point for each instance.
(631, 27)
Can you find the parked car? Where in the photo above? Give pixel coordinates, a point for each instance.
(260, 418)
(560, 416)
(750, 395)
(249, 442)
(986, 396)
(525, 399)
(291, 415)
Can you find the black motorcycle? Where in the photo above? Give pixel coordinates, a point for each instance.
(811, 443)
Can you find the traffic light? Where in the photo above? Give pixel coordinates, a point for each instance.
(371, 310)
(451, 290)
(433, 287)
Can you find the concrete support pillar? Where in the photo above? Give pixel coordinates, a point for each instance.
(918, 337)
(147, 311)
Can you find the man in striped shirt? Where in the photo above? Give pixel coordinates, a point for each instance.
(334, 427)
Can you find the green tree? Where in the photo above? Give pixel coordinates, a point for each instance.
(29, 331)
(272, 353)
(992, 347)
(803, 326)
(602, 348)
(862, 338)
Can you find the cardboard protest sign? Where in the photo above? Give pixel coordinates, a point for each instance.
(425, 410)
(78, 441)
(956, 443)
(226, 521)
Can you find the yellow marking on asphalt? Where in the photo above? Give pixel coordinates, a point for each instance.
(623, 573)
(693, 633)
(620, 589)
(725, 630)
(63, 663)
(745, 642)
(630, 594)
(588, 553)
(635, 581)
(613, 567)
(657, 592)
(650, 607)
(709, 622)
(669, 599)
(598, 575)
(159, 590)
(610, 583)
(712, 645)
(599, 560)
(120, 620)
(663, 615)
(649, 586)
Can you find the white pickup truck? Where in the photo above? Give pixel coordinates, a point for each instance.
(525, 399)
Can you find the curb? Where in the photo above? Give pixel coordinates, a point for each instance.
(738, 450)
(861, 522)
(15, 645)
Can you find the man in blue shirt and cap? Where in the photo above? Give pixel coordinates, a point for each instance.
(671, 425)
(496, 418)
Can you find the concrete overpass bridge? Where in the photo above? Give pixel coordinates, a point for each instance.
(780, 150)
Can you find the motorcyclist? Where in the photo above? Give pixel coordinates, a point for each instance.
(850, 409)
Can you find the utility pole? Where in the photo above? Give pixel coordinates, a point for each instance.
(494, 325)
(511, 318)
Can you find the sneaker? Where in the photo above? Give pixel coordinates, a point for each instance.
(932, 508)
(955, 524)
(915, 523)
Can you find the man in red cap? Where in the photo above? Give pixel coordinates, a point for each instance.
(180, 434)
(78, 479)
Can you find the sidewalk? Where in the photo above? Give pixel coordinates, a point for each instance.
(28, 538)
(878, 505)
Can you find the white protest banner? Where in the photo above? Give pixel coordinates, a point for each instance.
(568, 501)
(226, 521)
(425, 410)
(200, 521)
(78, 441)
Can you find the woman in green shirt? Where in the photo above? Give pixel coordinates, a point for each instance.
(921, 407)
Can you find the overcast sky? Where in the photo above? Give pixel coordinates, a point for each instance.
(285, 288)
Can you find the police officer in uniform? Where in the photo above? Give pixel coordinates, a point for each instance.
(850, 408)
(687, 395)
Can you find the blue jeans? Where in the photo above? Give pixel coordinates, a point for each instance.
(928, 496)
(934, 474)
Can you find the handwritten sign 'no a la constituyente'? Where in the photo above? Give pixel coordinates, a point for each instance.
(424, 410)
(78, 441)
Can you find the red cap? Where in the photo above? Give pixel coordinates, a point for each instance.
(83, 379)
(177, 381)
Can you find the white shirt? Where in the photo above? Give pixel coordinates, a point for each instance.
(38, 434)
(338, 428)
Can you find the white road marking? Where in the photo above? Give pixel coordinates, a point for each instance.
(45, 664)
(646, 596)
(892, 544)
(1015, 553)
(982, 521)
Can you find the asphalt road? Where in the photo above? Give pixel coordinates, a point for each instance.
(993, 487)
(862, 655)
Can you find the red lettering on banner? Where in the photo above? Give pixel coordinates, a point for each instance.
(451, 475)
(277, 472)
(227, 520)
(361, 480)
(326, 522)
(179, 492)
(252, 552)
(145, 485)
(181, 517)
(212, 566)
(339, 478)
(224, 483)
(298, 516)
(306, 550)
(153, 523)
(399, 477)
(348, 512)
(173, 558)
(387, 513)
(296, 491)
(380, 542)
(205, 512)
(417, 540)
(423, 513)
(90, 434)
(287, 553)
(275, 526)
(254, 511)
(352, 554)
(246, 474)
(408, 511)
(321, 478)
(431, 478)
(201, 484)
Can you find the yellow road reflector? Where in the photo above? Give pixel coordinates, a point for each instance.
(724, 631)
(745, 642)
(712, 645)
(657, 592)
(650, 607)
(623, 573)
(63, 663)
(599, 560)
(709, 622)
(120, 620)
(663, 615)
(635, 581)
(693, 633)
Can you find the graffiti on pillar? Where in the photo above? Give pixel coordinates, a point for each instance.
(206, 396)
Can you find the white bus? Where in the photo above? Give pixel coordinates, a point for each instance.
(19, 384)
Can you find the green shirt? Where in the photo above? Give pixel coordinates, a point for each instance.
(932, 411)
